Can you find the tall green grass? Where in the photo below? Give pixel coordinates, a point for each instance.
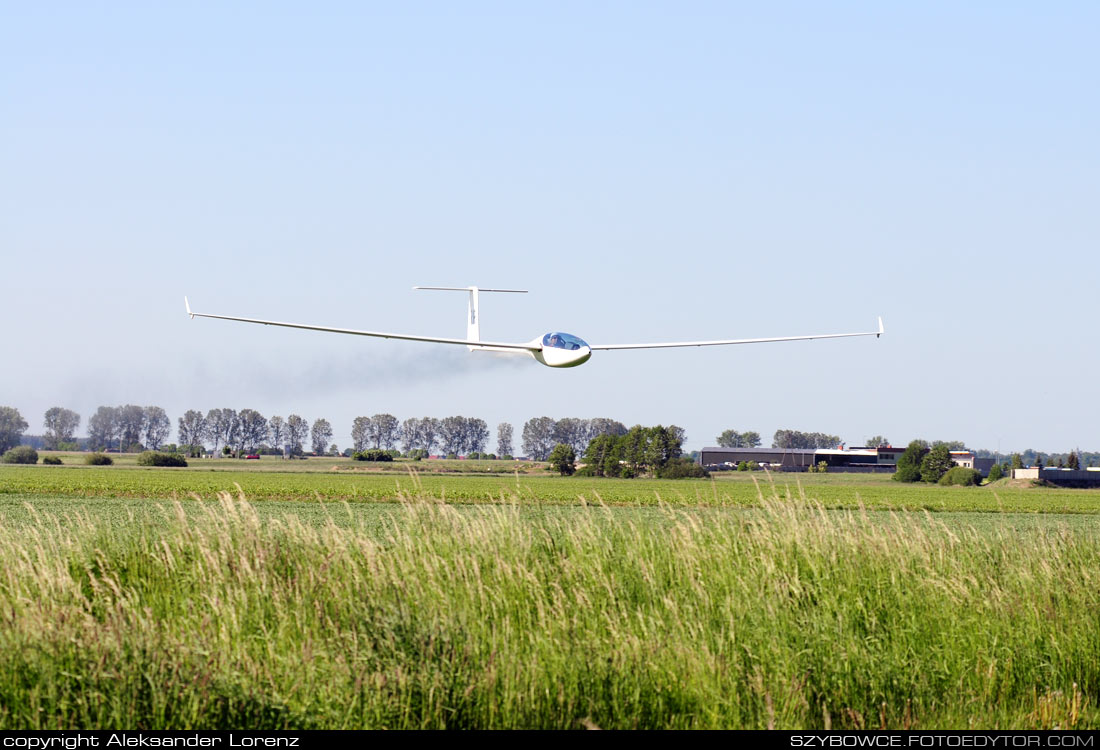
(787, 617)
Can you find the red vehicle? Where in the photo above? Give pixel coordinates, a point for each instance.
(253, 455)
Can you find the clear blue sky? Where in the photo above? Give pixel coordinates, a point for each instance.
(648, 170)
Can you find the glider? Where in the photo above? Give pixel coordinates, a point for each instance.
(554, 349)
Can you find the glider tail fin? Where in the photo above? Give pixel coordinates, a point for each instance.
(473, 315)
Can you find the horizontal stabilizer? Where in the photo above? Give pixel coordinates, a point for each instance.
(468, 289)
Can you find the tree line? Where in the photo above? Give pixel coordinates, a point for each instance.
(637, 451)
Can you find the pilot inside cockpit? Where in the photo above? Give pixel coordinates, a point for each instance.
(563, 341)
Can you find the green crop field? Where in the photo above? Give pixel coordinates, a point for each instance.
(353, 484)
(339, 598)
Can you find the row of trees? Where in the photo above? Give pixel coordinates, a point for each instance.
(541, 434)
(637, 451)
(248, 430)
(923, 462)
(735, 439)
(128, 426)
(452, 435)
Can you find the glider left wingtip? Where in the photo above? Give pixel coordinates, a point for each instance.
(881, 327)
(188, 306)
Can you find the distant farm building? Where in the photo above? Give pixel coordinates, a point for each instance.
(880, 460)
(1062, 477)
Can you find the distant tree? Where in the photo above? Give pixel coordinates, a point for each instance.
(360, 433)
(253, 428)
(1017, 461)
(131, 424)
(602, 455)
(735, 439)
(538, 437)
(1073, 462)
(276, 431)
(296, 431)
(995, 473)
(192, 429)
(224, 427)
(794, 439)
(428, 432)
(60, 426)
(410, 434)
(572, 431)
(908, 468)
(477, 435)
(936, 463)
(1039, 460)
(504, 439)
(321, 436)
(156, 427)
(605, 426)
(103, 427)
(231, 429)
(452, 435)
(952, 445)
(384, 430)
(878, 441)
(563, 459)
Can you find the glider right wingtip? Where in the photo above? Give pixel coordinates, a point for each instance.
(881, 327)
(188, 306)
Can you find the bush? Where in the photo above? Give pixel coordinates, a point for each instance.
(54, 460)
(156, 458)
(936, 463)
(98, 459)
(909, 463)
(996, 472)
(962, 476)
(681, 468)
(563, 459)
(21, 454)
(373, 454)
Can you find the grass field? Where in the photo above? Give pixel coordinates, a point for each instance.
(723, 604)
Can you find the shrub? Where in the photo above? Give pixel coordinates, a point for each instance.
(743, 466)
(681, 468)
(936, 463)
(960, 475)
(21, 454)
(996, 472)
(563, 459)
(54, 460)
(98, 459)
(909, 463)
(372, 454)
(156, 458)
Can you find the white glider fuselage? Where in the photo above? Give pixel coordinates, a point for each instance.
(556, 349)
